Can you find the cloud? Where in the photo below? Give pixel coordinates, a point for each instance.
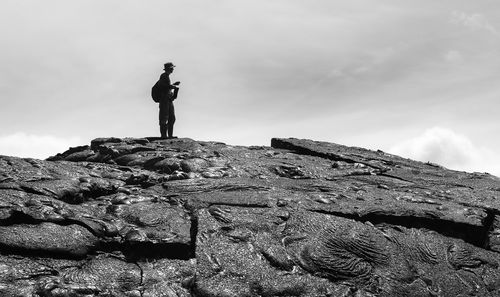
(450, 149)
(35, 146)
(453, 57)
(474, 21)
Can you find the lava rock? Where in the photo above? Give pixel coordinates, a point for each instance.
(155, 217)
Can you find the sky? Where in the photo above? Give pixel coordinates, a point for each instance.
(414, 78)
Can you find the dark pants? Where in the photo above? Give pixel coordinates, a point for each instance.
(167, 117)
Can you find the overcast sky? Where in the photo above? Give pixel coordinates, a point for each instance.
(416, 78)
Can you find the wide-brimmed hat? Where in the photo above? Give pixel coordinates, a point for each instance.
(168, 65)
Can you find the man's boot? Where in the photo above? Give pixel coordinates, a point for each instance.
(163, 131)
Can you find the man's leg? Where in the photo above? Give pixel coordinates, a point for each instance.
(163, 131)
(163, 118)
(171, 120)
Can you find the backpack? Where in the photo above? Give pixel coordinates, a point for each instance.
(156, 92)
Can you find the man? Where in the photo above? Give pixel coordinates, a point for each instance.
(168, 94)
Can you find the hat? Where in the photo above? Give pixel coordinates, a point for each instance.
(168, 65)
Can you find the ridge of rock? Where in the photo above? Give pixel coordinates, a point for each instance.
(154, 217)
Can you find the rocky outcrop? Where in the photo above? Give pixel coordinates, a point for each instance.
(151, 217)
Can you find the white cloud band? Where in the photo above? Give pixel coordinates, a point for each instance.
(450, 149)
(35, 146)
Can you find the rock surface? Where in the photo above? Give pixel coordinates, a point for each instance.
(150, 217)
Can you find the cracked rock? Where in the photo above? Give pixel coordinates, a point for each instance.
(152, 217)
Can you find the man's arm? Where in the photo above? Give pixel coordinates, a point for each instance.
(165, 82)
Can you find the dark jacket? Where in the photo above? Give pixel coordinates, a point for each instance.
(165, 85)
(169, 91)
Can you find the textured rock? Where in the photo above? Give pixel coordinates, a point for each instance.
(150, 217)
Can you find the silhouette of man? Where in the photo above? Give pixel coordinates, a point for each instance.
(168, 95)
